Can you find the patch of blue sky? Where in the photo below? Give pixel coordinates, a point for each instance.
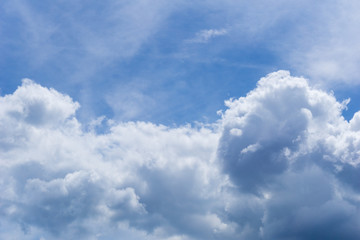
(343, 93)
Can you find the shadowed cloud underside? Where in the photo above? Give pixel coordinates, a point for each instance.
(280, 163)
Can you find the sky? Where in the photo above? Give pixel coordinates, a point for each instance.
(179, 120)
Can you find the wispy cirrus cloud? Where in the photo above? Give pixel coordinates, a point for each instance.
(206, 35)
(320, 42)
(90, 49)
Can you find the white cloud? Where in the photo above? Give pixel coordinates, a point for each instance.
(331, 50)
(304, 141)
(206, 35)
(62, 181)
(37, 105)
(281, 163)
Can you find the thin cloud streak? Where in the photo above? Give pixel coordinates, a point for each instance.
(206, 35)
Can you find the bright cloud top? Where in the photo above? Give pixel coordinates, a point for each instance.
(281, 163)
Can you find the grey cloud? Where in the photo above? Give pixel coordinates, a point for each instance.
(271, 120)
(292, 148)
(307, 207)
(281, 163)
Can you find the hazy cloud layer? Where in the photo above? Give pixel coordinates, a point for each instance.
(320, 41)
(281, 163)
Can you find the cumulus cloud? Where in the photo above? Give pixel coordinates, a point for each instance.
(294, 153)
(281, 163)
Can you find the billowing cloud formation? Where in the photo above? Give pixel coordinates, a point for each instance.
(288, 144)
(281, 163)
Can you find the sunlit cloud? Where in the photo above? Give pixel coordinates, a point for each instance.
(281, 154)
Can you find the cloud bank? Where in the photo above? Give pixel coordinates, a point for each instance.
(281, 163)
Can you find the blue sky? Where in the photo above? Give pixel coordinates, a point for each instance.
(190, 56)
(179, 119)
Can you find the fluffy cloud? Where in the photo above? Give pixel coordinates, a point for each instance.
(135, 179)
(288, 144)
(281, 163)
